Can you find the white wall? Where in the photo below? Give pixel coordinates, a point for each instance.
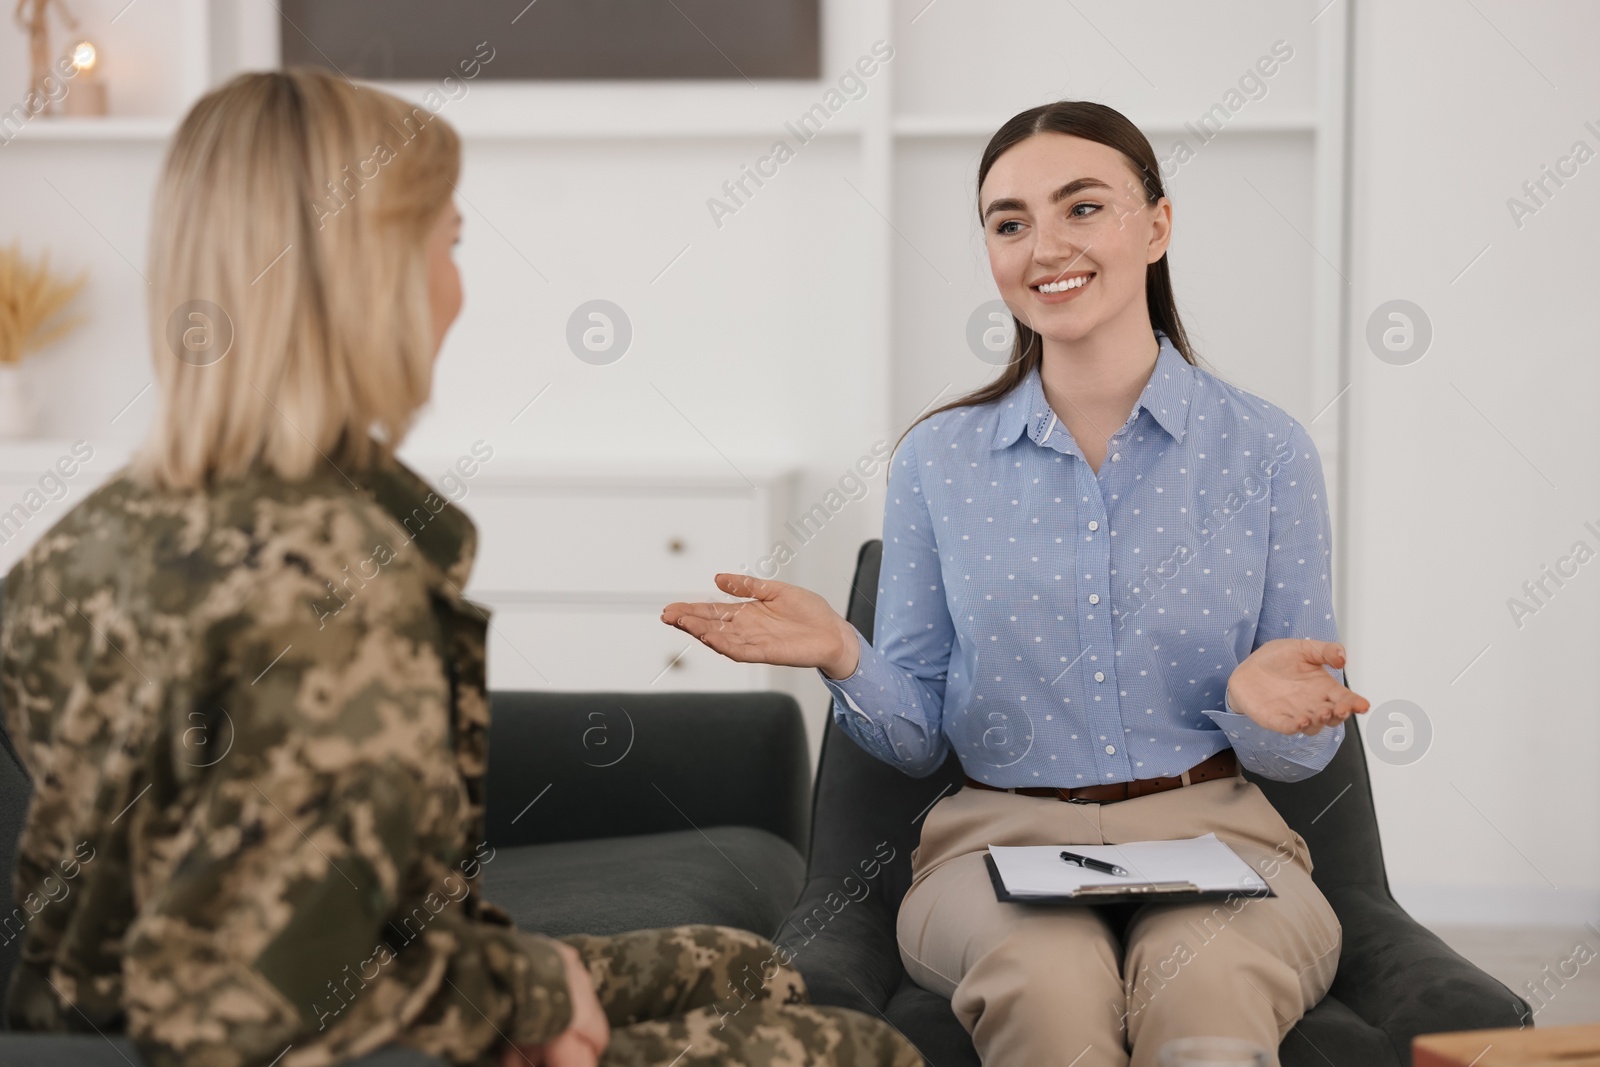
(1473, 467)
(832, 307)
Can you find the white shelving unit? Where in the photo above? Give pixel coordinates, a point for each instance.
(220, 37)
(875, 222)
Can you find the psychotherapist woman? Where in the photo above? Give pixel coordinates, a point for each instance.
(1105, 587)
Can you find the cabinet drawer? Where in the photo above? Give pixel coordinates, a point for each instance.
(596, 647)
(585, 543)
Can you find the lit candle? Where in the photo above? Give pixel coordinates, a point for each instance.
(86, 93)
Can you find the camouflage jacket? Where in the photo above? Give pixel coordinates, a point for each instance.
(255, 721)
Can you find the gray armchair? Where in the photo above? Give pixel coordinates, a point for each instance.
(1396, 978)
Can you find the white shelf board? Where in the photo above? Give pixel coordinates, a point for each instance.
(655, 475)
(503, 123)
(113, 128)
(935, 126)
(604, 110)
(561, 128)
(33, 455)
(505, 126)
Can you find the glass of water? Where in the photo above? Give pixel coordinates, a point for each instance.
(1213, 1052)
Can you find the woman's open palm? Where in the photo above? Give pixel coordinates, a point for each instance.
(781, 624)
(1283, 686)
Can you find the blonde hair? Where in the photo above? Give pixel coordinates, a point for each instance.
(289, 300)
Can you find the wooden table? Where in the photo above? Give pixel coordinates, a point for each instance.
(1561, 1046)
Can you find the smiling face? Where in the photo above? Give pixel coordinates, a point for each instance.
(1069, 234)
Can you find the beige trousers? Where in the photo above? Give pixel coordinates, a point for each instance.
(1066, 985)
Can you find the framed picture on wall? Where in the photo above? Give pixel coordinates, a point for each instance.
(557, 39)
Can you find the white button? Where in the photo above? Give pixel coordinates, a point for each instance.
(1094, 598)
(1116, 455)
(1111, 750)
(1099, 676)
(1093, 525)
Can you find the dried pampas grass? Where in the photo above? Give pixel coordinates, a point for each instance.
(32, 299)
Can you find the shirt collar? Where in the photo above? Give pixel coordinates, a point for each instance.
(447, 538)
(1167, 396)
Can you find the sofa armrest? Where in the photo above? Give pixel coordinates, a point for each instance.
(843, 944)
(1403, 979)
(572, 766)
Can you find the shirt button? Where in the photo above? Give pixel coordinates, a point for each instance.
(1099, 676)
(1116, 455)
(1094, 598)
(1093, 525)
(1111, 750)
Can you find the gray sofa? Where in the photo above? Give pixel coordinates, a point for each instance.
(607, 811)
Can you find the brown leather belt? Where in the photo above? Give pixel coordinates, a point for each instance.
(1223, 765)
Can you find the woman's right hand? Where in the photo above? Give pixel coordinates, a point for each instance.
(781, 624)
(1282, 686)
(584, 1040)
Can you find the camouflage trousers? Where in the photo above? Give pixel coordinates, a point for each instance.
(697, 995)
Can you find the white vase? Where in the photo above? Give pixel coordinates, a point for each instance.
(16, 407)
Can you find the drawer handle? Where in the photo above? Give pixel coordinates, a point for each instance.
(676, 546)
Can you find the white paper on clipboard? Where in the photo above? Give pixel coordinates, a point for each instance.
(1205, 861)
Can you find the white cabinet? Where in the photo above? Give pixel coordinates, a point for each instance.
(576, 563)
(618, 542)
(626, 647)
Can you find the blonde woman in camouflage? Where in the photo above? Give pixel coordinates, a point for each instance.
(267, 771)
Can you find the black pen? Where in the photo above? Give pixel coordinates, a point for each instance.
(1093, 864)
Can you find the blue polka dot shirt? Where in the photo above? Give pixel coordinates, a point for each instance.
(1058, 626)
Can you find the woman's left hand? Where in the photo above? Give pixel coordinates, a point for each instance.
(1284, 686)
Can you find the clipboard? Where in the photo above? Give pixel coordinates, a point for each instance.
(1177, 871)
(1132, 893)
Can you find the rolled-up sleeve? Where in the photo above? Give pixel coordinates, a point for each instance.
(1297, 602)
